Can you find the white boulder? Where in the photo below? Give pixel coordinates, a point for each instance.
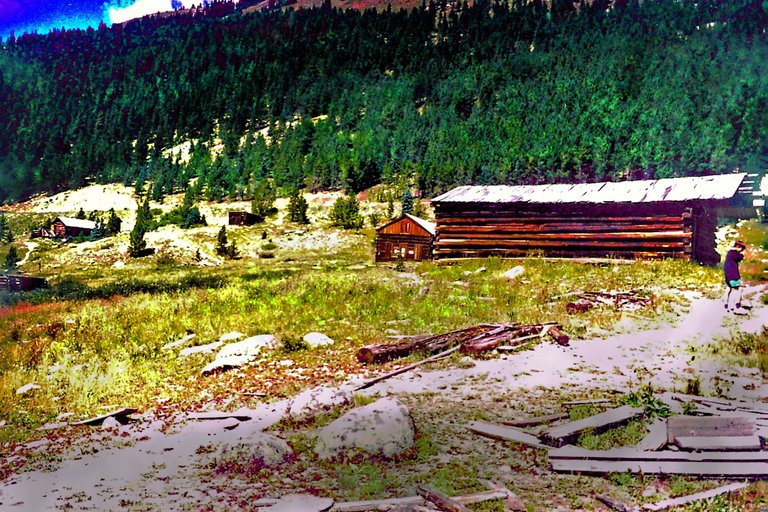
(321, 399)
(384, 427)
(317, 339)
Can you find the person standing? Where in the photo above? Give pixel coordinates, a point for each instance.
(733, 276)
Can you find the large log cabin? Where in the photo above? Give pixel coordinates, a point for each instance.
(63, 227)
(671, 217)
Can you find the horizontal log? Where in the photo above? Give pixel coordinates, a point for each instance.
(641, 236)
(457, 255)
(562, 227)
(533, 244)
(489, 218)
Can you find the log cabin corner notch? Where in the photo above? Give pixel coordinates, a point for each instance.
(671, 217)
(409, 236)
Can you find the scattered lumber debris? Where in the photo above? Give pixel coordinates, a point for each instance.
(629, 300)
(404, 369)
(592, 401)
(722, 443)
(676, 502)
(472, 340)
(441, 501)
(562, 434)
(512, 502)
(362, 506)
(708, 426)
(706, 464)
(505, 433)
(538, 420)
(120, 415)
(613, 504)
(656, 438)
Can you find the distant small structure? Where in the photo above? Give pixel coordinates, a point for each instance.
(21, 283)
(243, 219)
(63, 227)
(409, 237)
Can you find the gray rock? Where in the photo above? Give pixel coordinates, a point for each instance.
(201, 349)
(234, 335)
(301, 503)
(514, 272)
(179, 342)
(317, 339)
(26, 388)
(267, 341)
(238, 354)
(312, 402)
(384, 427)
(249, 454)
(110, 422)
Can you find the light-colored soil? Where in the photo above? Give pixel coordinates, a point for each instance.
(165, 466)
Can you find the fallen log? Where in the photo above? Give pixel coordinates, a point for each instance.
(441, 501)
(404, 369)
(381, 353)
(119, 414)
(558, 335)
(511, 335)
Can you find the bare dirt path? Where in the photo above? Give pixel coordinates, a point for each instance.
(153, 466)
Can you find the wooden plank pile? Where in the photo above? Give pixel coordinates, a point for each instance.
(629, 301)
(471, 340)
(725, 440)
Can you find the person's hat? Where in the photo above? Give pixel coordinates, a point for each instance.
(738, 244)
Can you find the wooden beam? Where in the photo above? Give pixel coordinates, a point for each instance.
(505, 433)
(404, 369)
(512, 502)
(441, 501)
(562, 434)
(98, 420)
(656, 438)
(537, 420)
(732, 443)
(708, 426)
(363, 506)
(684, 500)
(613, 504)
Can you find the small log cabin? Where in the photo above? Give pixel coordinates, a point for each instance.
(672, 217)
(21, 283)
(408, 236)
(243, 219)
(67, 226)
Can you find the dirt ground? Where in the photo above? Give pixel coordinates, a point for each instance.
(165, 465)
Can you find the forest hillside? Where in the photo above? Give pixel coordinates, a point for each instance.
(440, 95)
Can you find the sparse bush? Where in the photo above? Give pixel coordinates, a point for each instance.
(291, 344)
(345, 213)
(374, 218)
(297, 208)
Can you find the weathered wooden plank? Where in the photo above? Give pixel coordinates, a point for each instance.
(613, 504)
(538, 420)
(562, 434)
(708, 426)
(733, 443)
(704, 469)
(633, 454)
(363, 506)
(512, 502)
(656, 439)
(705, 495)
(440, 500)
(505, 433)
(751, 406)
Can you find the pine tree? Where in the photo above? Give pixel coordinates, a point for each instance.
(390, 207)
(194, 218)
(221, 241)
(143, 217)
(6, 235)
(113, 223)
(80, 215)
(345, 213)
(264, 196)
(297, 208)
(11, 258)
(407, 201)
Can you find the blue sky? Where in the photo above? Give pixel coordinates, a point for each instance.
(42, 16)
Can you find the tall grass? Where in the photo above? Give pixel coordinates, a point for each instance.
(88, 346)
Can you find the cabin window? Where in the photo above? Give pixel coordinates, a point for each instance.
(407, 227)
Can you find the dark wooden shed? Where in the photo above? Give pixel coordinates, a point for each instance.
(21, 283)
(672, 217)
(243, 219)
(68, 226)
(409, 236)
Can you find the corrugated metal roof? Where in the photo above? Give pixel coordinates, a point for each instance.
(71, 222)
(722, 186)
(429, 226)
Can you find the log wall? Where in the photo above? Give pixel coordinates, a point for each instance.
(622, 231)
(411, 247)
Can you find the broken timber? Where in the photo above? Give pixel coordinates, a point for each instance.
(684, 500)
(708, 464)
(442, 501)
(538, 420)
(404, 369)
(723, 443)
(563, 434)
(473, 340)
(362, 506)
(656, 439)
(505, 433)
(512, 502)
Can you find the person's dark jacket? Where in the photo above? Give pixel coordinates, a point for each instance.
(731, 265)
